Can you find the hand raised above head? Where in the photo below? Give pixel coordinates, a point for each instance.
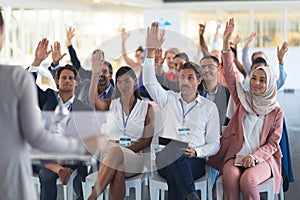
(97, 61)
(125, 35)
(201, 29)
(155, 38)
(41, 52)
(281, 52)
(228, 33)
(70, 34)
(56, 53)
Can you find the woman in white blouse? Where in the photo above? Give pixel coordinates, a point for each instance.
(131, 119)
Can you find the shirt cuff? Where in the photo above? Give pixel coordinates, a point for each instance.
(33, 69)
(54, 68)
(149, 61)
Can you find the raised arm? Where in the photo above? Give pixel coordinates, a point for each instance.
(216, 36)
(228, 61)
(237, 63)
(159, 73)
(154, 41)
(41, 52)
(202, 41)
(245, 55)
(136, 66)
(100, 104)
(282, 74)
(74, 59)
(56, 57)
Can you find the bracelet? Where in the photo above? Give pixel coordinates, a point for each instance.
(225, 51)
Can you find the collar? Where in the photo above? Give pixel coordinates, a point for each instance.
(103, 94)
(69, 103)
(206, 91)
(197, 99)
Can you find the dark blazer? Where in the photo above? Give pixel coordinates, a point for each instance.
(48, 101)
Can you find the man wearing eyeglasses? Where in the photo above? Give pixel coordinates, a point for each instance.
(210, 88)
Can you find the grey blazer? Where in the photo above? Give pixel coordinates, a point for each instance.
(21, 124)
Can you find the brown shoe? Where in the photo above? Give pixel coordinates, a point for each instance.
(64, 175)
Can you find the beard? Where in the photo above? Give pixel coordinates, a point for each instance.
(103, 81)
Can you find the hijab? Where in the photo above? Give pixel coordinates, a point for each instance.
(259, 104)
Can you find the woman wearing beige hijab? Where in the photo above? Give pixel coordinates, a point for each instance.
(21, 124)
(253, 134)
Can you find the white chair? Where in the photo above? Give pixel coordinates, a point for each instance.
(132, 182)
(67, 189)
(158, 185)
(266, 186)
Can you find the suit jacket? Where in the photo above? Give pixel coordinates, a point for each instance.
(232, 137)
(48, 101)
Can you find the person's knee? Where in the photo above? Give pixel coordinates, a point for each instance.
(47, 175)
(247, 181)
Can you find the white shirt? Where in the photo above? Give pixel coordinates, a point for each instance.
(135, 124)
(252, 127)
(202, 120)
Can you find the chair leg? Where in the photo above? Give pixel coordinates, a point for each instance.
(138, 192)
(281, 193)
(219, 189)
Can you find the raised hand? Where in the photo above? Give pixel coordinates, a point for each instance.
(56, 53)
(201, 29)
(281, 52)
(41, 52)
(236, 40)
(154, 39)
(125, 35)
(70, 35)
(97, 61)
(158, 61)
(228, 33)
(250, 39)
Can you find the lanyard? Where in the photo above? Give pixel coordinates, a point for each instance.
(70, 107)
(126, 120)
(185, 114)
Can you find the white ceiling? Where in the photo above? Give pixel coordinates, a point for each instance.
(151, 4)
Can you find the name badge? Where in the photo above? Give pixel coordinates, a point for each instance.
(125, 141)
(183, 131)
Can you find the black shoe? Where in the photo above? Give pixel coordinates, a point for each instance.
(193, 196)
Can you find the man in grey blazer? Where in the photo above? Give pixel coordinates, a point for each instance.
(211, 89)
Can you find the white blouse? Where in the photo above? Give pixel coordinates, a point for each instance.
(135, 124)
(252, 127)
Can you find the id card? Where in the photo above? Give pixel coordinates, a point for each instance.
(125, 141)
(183, 131)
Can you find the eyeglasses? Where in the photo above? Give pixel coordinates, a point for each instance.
(209, 66)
